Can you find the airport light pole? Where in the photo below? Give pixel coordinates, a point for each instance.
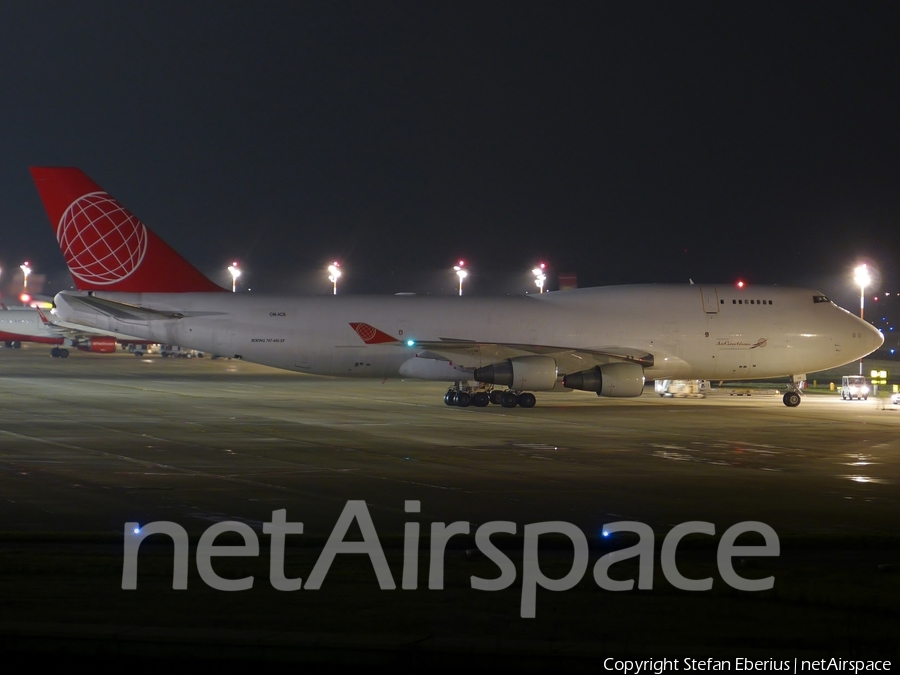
(26, 270)
(235, 273)
(539, 277)
(862, 277)
(334, 273)
(461, 273)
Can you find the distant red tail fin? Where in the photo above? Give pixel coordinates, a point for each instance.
(105, 246)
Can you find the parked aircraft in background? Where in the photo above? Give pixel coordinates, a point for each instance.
(30, 324)
(605, 340)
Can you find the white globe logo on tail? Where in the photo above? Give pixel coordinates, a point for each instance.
(101, 240)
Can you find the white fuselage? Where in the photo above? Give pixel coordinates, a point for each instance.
(24, 323)
(691, 331)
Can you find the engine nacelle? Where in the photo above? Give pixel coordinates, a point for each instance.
(99, 345)
(620, 379)
(532, 373)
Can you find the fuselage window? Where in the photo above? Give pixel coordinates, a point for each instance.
(734, 302)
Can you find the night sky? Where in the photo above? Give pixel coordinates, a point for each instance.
(626, 142)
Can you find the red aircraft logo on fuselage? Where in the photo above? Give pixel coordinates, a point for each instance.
(371, 335)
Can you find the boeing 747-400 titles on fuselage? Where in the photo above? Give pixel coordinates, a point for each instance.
(606, 340)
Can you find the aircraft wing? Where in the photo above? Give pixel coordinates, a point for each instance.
(569, 359)
(475, 354)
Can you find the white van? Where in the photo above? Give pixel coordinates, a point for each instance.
(854, 386)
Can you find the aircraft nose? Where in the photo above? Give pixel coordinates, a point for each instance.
(873, 338)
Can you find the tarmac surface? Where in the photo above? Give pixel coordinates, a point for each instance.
(94, 441)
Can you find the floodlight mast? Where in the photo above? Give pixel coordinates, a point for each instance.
(862, 277)
(461, 273)
(235, 272)
(26, 270)
(539, 277)
(334, 273)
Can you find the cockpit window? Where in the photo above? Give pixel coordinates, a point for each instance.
(820, 298)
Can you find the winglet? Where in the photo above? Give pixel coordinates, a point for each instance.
(371, 335)
(105, 246)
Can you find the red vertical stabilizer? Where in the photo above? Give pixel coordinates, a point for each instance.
(105, 246)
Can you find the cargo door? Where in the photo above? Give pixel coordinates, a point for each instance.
(710, 299)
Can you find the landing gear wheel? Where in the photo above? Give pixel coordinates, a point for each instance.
(526, 400)
(450, 397)
(791, 399)
(508, 399)
(865, 398)
(54, 352)
(463, 399)
(496, 397)
(63, 353)
(16, 344)
(480, 399)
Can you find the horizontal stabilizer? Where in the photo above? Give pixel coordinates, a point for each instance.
(119, 310)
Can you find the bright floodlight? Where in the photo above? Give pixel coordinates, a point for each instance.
(235, 273)
(539, 277)
(461, 273)
(862, 277)
(26, 270)
(334, 273)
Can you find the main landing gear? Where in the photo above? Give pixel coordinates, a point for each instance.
(463, 396)
(59, 353)
(791, 397)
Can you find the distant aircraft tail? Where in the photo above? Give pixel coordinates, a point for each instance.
(105, 246)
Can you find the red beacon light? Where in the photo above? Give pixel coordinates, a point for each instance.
(740, 284)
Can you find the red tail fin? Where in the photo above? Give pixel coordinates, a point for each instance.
(105, 246)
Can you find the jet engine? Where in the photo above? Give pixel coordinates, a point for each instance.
(534, 373)
(100, 345)
(619, 379)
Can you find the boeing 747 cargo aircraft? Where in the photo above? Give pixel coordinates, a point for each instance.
(605, 340)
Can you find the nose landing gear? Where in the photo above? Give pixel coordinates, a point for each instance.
(791, 397)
